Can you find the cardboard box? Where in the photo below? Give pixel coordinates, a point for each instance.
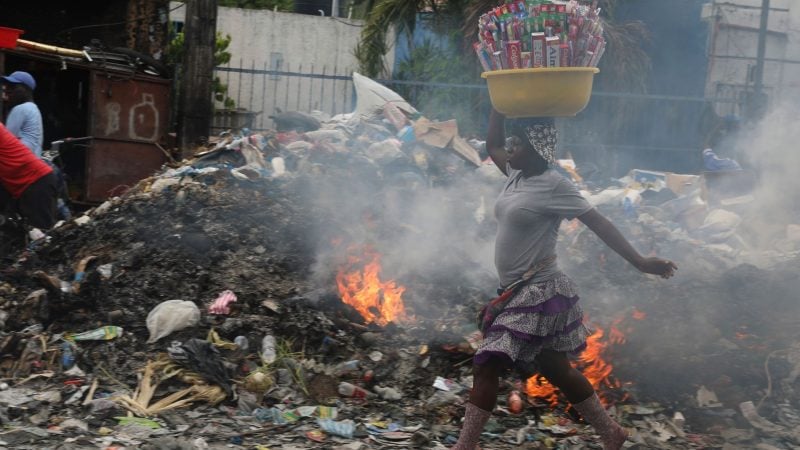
(682, 184)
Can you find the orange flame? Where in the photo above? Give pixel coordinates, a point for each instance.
(591, 363)
(540, 388)
(377, 301)
(595, 368)
(615, 335)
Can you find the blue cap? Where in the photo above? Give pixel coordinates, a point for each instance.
(21, 78)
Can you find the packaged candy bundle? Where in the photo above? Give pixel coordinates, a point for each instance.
(522, 34)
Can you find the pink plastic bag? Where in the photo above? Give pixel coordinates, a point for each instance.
(222, 304)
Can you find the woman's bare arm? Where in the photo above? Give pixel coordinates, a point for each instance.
(609, 234)
(496, 140)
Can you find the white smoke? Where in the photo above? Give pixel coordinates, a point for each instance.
(771, 148)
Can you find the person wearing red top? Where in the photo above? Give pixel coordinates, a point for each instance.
(27, 184)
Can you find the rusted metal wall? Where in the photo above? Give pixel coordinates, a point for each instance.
(128, 118)
(146, 26)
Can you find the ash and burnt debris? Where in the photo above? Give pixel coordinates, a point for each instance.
(275, 218)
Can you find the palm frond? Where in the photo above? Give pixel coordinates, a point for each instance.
(625, 62)
(385, 15)
(474, 10)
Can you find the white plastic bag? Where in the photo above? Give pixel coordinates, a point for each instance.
(721, 221)
(719, 225)
(170, 316)
(371, 96)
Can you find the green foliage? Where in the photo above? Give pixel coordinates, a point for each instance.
(625, 60)
(625, 66)
(382, 17)
(449, 17)
(281, 5)
(175, 53)
(221, 54)
(428, 63)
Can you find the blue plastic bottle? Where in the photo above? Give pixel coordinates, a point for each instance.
(67, 356)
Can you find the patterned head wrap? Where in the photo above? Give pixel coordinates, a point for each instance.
(543, 138)
(541, 133)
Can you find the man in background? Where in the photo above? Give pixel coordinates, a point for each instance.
(722, 149)
(28, 185)
(24, 120)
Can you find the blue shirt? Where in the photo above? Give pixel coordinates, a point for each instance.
(25, 122)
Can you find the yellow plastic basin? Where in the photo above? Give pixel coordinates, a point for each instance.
(544, 92)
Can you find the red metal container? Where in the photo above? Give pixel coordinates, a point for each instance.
(9, 36)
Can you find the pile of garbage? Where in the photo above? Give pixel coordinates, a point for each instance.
(204, 308)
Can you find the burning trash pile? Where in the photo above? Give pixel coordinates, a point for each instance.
(315, 286)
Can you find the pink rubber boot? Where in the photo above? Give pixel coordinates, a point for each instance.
(474, 421)
(611, 433)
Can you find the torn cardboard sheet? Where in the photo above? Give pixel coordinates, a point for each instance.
(435, 134)
(445, 135)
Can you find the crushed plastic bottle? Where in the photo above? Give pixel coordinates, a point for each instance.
(268, 353)
(347, 367)
(351, 390)
(242, 343)
(344, 428)
(67, 355)
(106, 333)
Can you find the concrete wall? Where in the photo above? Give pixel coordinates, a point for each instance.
(734, 32)
(267, 40)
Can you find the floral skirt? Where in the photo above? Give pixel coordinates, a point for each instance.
(539, 316)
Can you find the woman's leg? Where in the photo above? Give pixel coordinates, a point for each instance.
(556, 368)
(482, 399)
(486, 382)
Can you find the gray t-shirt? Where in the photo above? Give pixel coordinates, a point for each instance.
(25, 122)
(529, 212)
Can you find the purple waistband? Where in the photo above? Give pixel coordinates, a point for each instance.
(555, 305)
(534, 339)
(484, 356)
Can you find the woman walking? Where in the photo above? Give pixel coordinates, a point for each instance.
(537, 321)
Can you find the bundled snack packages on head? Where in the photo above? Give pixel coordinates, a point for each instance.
(522, 34)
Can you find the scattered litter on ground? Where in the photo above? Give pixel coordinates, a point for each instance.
(205, 307)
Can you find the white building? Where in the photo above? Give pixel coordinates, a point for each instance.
(732, 49)
(264, 41)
